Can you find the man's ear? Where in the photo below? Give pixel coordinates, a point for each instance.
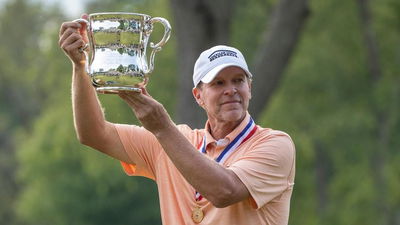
(249, 81)
(197, 95)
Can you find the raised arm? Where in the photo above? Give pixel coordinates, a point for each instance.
(90, 125)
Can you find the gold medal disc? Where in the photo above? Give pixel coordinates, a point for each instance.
(197, 215)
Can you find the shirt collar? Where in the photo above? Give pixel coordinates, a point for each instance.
(231, 135)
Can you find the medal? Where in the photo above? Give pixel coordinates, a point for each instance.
(197, 214)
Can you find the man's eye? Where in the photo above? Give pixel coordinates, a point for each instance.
(239, 80)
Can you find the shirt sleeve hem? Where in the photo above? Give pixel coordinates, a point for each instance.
(255, 204)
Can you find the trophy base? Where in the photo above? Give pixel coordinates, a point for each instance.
(115, 90)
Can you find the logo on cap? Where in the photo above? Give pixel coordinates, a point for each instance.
(220, 53)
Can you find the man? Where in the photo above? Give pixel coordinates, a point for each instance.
(230, 172)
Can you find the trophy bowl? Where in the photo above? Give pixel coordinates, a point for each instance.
(116, 57)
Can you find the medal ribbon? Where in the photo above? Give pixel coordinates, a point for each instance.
(243, 136)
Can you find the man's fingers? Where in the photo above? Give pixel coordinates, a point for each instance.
(66, 34)
(144, 91)
(133, 98)
(72, 42)
(72, 47)
(67, 25)
(85, 16)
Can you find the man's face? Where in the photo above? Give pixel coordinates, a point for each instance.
(227, 97)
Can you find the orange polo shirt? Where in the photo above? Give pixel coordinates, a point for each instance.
(265, 163)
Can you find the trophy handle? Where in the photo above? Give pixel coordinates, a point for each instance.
(90, 53)
(157, 47)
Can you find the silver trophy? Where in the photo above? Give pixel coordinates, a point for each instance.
(116, 53)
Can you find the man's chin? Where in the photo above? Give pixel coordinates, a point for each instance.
(234, 115)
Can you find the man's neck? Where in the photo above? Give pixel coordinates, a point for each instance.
(220, 129)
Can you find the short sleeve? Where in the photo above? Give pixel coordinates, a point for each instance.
(142, 147)
(267, 169)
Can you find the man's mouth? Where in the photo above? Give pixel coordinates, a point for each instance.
(231, 102)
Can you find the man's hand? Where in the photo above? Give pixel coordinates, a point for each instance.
(72, 37)
(150, 112)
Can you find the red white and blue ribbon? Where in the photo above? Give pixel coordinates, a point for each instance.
(243, 136)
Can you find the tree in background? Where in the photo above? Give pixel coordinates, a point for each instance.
(344, 118)
(21, 98)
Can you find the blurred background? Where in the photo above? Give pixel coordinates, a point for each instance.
(326, 72)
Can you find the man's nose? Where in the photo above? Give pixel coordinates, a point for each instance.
(230, 90)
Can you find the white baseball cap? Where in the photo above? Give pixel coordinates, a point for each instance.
(213, 60)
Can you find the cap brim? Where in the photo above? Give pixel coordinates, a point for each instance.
(214, 72)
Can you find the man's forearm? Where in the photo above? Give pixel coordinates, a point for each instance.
(216, 183)
(88, 115)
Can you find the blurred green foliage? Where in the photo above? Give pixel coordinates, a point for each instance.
(345, 124)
